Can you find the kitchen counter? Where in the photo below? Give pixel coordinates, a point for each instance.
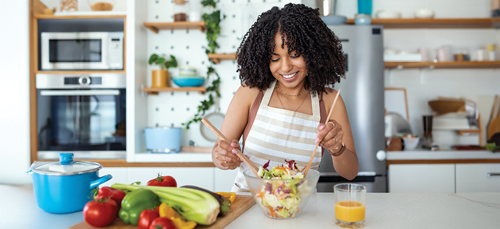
(422, 156)
(384, 210)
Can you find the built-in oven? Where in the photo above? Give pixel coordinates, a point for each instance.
(81, 51)
(83, 114)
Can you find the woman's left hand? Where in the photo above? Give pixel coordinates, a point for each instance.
(330, 136)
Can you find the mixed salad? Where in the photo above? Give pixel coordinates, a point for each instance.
(282, 194)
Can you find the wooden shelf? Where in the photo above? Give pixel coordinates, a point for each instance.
(68, 16)
(156, 91)
(80, 72)
(216, 58)
(412, 23)
(157, 26)
(453, 64)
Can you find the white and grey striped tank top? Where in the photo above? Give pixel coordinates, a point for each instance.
(279, 134)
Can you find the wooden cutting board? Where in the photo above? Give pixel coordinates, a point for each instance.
(238, 207)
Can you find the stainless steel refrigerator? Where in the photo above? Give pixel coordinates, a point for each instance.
(363, 94)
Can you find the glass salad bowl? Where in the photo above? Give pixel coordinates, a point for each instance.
(282, 198)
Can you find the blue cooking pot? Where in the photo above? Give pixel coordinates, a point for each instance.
(65, 186)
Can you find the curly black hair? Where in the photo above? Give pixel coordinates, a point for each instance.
(305, 33)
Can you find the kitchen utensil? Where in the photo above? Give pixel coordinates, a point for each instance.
(267, 199)
(410, 143)
(365, 7)
(362, 19)
(187, 71)
(216, 118)
(334, 20)
(317, 144)
(65, 186)
(424, 13)
(427, 125)
(240, 154)
(163, 139)
(189, 81)
(239, 206)
(494, 126)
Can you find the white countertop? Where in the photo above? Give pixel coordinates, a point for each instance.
(441, 155)
(384, 210)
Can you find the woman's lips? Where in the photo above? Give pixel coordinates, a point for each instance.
(291, 78)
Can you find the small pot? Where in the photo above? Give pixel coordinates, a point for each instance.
(65, 186)
(163, 139)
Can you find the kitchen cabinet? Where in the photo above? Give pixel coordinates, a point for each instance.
(427, 178)
(478, 177)
(202, 177)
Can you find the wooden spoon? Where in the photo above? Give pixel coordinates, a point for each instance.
(317, 144)
(240, 154)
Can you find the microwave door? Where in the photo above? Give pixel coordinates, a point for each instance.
(74, 51)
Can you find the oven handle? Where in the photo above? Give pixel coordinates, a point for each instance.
(79, 92)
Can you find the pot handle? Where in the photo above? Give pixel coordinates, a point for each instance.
(99, 181)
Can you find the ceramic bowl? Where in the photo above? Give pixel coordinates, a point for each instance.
(334, 20)
(282, 198)
(424, 13)
(188, 81)
(388, 14)
(411, 143)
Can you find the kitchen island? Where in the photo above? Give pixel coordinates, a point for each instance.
(384, 210)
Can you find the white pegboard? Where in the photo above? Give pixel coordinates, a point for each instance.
(188, 46)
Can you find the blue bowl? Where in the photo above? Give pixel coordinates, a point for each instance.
(334, 20)
(189, 81)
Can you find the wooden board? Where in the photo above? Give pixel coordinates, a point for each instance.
(238, 207)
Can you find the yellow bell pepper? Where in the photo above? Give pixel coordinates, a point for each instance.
(181, 224)
(168, 212)
(231, 196)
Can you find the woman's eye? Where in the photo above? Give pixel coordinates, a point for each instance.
(274, 60)
(295, 56)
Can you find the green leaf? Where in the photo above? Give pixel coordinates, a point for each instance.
(173, 62)
(153, 59)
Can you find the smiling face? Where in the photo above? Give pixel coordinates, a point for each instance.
(289, 69)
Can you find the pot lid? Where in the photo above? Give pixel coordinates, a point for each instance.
(65, 166)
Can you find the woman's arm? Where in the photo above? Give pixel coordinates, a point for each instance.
(233, 126)
(335, 134)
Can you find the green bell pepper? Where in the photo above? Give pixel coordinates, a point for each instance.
(135, 202)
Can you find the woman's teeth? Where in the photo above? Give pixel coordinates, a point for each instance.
(289, 76)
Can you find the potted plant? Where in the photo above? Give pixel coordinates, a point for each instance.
(160, 76)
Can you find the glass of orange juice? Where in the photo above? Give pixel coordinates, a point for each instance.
(350, 200)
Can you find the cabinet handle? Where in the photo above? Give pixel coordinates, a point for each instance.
(493, 174)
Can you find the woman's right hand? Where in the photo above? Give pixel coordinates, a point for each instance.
(226, 154)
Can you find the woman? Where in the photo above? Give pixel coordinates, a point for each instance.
(286, 61)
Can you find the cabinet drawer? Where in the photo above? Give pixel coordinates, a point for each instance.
(415, 178)
(478, 177)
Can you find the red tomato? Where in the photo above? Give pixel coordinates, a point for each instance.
(100, 213)
(166, 181)
(146, 217)
(162, 223)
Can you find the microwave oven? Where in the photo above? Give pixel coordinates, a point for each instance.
(81, 51)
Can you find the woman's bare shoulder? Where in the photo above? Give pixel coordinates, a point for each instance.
(246, 95)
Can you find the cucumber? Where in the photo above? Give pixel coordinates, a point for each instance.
(224, 203)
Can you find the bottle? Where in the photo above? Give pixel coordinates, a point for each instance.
(495, 8)
(491, 52)
(365, 7)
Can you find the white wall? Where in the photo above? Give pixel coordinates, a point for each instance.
(14, 93)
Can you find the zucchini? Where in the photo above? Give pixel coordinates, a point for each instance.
(224, 203)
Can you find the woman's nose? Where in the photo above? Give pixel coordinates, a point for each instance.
(286, 65)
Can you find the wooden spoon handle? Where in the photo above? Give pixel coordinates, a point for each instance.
(240, 154)
(317, 144)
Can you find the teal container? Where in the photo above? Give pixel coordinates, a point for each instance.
(365, 7)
